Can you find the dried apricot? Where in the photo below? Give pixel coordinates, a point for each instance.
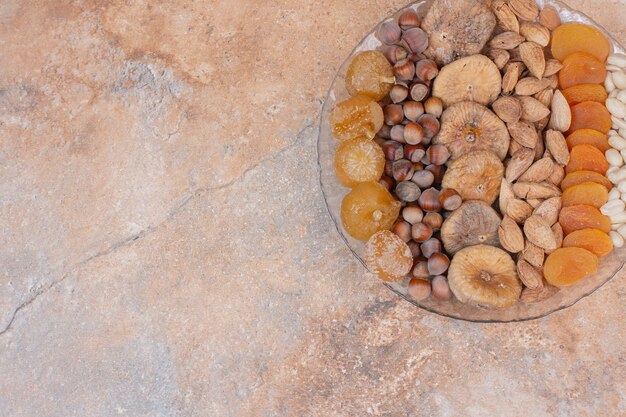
(577, 37)
(594, 240)
(586, 158)
(370, 74)
(579, 177)
(567, 266)
(581, 68)
(356, 116)
(359, 160)
(585, 92)
(590, 115)
(579, 217)
(589, 137)
(588, 193)
(388, 256)
(367, 209)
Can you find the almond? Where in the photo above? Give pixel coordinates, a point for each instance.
(557, 175)
(531, 85)
(506, 40)
(527, 190)
(523, 133)
(539, 233)
(506, 195)
(537, 295)
(507, 20)
(500, 57)
(561, 117)
(509, 109)
(554, 81)
(545, 96)
(510, 234)
(539, 171)
(529, 275)
(549, 210)
(525, 9)
(535, 32)
(541, 124)
(535, 202)
(556, 144)
(512, 72)
(532, 109)
(533, 254)
(518, 210)
(539, 149)
(552, 67)
(521, 160)
(532, 55)
(557, 230)
(549, 18)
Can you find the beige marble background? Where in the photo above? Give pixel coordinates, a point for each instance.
(165, 249)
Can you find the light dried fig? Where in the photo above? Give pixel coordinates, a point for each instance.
(475, 176)
(473, 223)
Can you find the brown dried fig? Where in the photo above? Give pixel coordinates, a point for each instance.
(473, 223)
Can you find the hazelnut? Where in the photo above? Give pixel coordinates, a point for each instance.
(425, 159)
(403, 230)
(450, 200)
(408, 191)
(412, 214)
(419, 289)
(419, 91)
(416, 39)
(429, 200)
(389, 168)
(397, 133)
(409, 19)
(385, 131)
(386, 182)
(402, 170)
(432, 245)
(423, 179)
(394, 114)
(438, 171)
(430, 124)
(413, 133)
(418, 166)
(414, 153)
(394, 53)
(398, 93)
(389, 32)
(379, 141)
(440, 288)
(434, 220)
(438, 154)
(393, 150)
(421, 232)
(438, 263)
(426, 69)
(434, 106)
(413, 57)
(413, 110)
(415, 248)
(420, 270)
(404, 69)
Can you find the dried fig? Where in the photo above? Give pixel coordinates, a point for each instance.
(473, 223)
(475, 176)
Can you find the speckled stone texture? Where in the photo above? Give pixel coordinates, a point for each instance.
(165, 249)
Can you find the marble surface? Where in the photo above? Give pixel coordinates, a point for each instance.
(165, 249)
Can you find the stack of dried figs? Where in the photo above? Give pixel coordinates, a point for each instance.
(453, 146)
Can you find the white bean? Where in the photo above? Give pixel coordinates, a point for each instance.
(619, 123)
(622, 132)
(617, 59)
(622, 187)
(614, 194)
(619, 218)
(615, 226)
(614, 158)
(618, 240)
(619, 79)
(616, 107)
(613, 207)
(614, 175)
(616, 141)
(613, 68)
(608, 83)
(622, 230)
(623, 197)
(621, 96)
(613, 132)
(623, 153)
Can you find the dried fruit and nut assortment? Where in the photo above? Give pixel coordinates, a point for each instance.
(484, 146)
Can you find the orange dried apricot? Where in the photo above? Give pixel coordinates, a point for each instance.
(579, 177)
(590, 137)
(585, 92)
(359, 160)
(579, 217)
(588, 193)
(590, 115)
(577, 37)
(567, 266)
(586, 158)
(367, 209)
(371, 74)
(581, 68)
(594, 240)
(388, 256)
(356, 116)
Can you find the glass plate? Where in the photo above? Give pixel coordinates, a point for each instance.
(334, 193)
